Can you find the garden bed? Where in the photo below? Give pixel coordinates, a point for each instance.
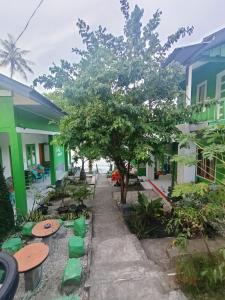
(53, 267)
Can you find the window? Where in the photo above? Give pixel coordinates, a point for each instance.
(31, 155)
(205, 167)
(221, 86)
(201, 92)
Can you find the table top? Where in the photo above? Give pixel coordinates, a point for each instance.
(45, 228)
(31, 256)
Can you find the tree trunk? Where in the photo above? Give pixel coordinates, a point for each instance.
(123, 193)
(124, 184)
(82, 172)
(90, 166)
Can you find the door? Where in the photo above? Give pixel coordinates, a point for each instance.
(220, 94)
(31, 155)
(41, 154)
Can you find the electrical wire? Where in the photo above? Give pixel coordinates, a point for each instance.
(29, 20)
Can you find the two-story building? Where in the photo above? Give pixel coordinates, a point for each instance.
(205, 83)
(28, 123)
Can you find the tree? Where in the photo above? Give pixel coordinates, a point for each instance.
(6, 211)
(109, 88)
(13, 57)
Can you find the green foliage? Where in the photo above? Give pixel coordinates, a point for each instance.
(13, 57)
(189, 160)
(147, 218)
(6, 210)
(107, 88)
(199, 211)
(33, 216)
(211, 141)
(189, 189)
(79, 193)
(201, 274)
(185, 220)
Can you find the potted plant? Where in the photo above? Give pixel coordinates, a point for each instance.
(79, 194)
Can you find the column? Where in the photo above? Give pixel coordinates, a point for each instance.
(66, 159)
(52, 159)
(18, 171)
(188, 85)
(8, 125)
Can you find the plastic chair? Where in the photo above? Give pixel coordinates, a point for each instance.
(37, 176)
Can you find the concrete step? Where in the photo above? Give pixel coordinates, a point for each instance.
(148, 288)
(118, 249)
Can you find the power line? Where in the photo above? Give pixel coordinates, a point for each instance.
(29, 20)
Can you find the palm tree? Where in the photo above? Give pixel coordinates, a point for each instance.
(13, 57)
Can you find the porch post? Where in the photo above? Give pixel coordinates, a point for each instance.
(188, 85)
(52, 160)
(66, 159)
(8, 125)
(18, 171)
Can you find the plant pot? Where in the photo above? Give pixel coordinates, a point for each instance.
(81, 208)
(43, 209)
(156, 176)
(63, 209)
(73, 208)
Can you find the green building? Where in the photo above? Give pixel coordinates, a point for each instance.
(205, 83)
(28, 123)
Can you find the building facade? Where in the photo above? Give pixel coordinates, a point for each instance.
(28, 123)
(205, 86)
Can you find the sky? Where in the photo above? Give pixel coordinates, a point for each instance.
(53, 32)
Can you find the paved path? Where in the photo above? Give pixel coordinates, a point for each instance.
(120, 269)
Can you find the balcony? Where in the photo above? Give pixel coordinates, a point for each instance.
(211, 111)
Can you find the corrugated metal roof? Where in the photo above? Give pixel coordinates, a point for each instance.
(30, 93)
(189, 54)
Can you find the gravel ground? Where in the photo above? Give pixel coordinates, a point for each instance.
(52, 269)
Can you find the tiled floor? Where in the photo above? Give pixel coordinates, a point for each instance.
(36, 189)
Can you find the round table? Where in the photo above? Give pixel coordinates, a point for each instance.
(30, 259)
(45, 228)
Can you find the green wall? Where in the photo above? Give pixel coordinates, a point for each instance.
(26, 119)
(206, 72)
(59, 155)
(8, 125)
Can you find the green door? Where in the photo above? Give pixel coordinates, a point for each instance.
(31, 155)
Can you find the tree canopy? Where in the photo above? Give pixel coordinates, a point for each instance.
(121, 98)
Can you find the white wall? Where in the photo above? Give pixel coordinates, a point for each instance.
(150, 169)
(186, 174)
(4, 145)
(30, 138)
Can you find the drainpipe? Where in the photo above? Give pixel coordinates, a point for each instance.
(188, 84)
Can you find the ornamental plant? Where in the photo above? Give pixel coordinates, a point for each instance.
(6, 211)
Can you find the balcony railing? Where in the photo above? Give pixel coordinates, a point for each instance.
(211, 110)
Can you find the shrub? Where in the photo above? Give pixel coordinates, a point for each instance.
(79, 193)
(201, 273)
(6, 211)
(147, 218)
(201, 210)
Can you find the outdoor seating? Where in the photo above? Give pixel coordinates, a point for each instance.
(36, 175)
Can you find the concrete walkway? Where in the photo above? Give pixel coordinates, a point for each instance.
(120, 269)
